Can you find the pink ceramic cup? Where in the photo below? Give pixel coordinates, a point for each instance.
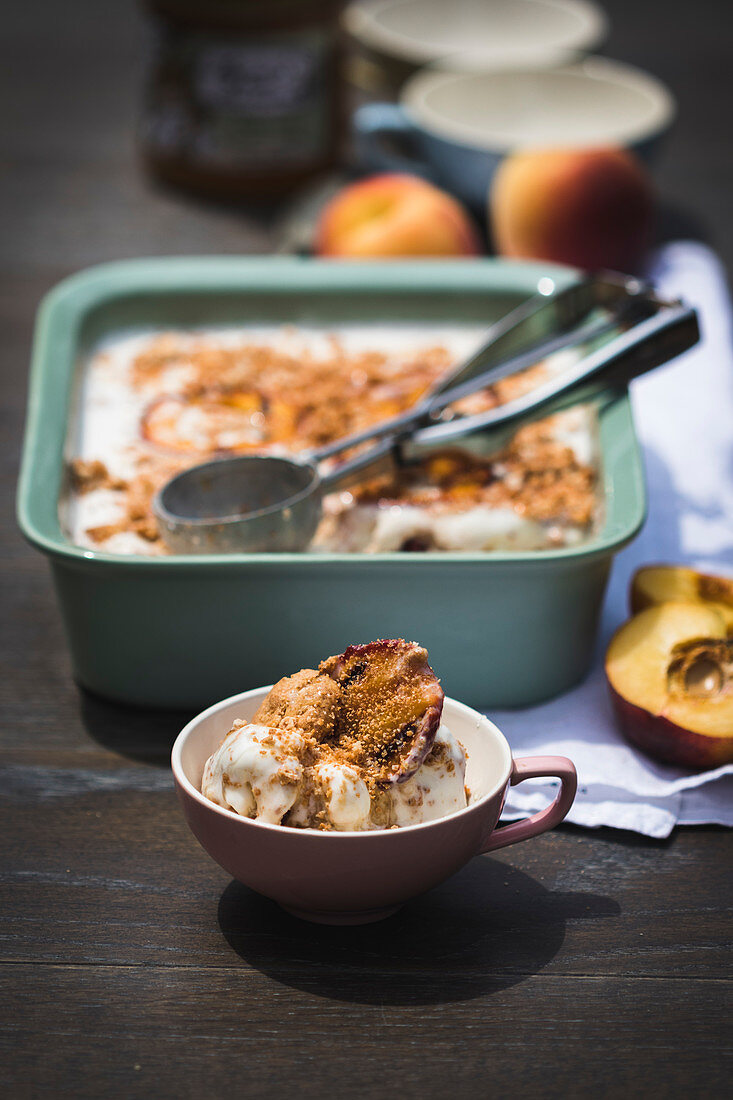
(352, 878)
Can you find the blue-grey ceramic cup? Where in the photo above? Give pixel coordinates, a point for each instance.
(455, 127)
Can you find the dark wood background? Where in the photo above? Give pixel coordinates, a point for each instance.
(583, 963)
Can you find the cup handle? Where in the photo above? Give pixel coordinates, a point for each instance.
(536, 767)
(373, 122)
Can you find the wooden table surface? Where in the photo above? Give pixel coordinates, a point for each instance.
(583, 963)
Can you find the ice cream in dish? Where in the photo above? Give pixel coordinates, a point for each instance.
(154, 404)
(355, 745)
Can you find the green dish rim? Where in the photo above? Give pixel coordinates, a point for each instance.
(55, 350)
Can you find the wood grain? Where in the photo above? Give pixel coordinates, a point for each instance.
(581, 964)
(133, 1031)
(105, 844)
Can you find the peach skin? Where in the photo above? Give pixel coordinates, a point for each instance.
(591, 208)
(395, 215)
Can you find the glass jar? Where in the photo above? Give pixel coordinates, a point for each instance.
(245, 98)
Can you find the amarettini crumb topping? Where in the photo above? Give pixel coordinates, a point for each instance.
(307, 702)
(534, 475)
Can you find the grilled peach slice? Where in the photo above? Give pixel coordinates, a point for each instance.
(391, 704)
(670, 673)
(236, 421)
(200, 426)
(654, 584)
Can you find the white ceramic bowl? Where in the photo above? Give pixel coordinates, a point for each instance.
(490, 33)
(593, 102)
(352, 878)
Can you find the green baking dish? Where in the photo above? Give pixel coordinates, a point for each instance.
(502, 629)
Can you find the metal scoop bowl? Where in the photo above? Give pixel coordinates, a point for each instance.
(259, 503)
(219, 507)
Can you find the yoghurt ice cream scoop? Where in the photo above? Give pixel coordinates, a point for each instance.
(256, 772)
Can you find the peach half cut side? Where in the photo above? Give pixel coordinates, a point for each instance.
(670, 674)
(655, 584)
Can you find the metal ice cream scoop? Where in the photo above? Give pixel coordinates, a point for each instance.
(251, 503)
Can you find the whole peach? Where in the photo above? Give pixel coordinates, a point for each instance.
(395, 215)
(591, 208)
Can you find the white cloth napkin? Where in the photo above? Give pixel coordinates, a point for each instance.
(684, 418)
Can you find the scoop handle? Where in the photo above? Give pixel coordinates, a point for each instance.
(644, 346)
(538, 767)
(379, 459)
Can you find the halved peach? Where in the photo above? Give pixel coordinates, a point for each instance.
(655, 584)
(670, 673)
